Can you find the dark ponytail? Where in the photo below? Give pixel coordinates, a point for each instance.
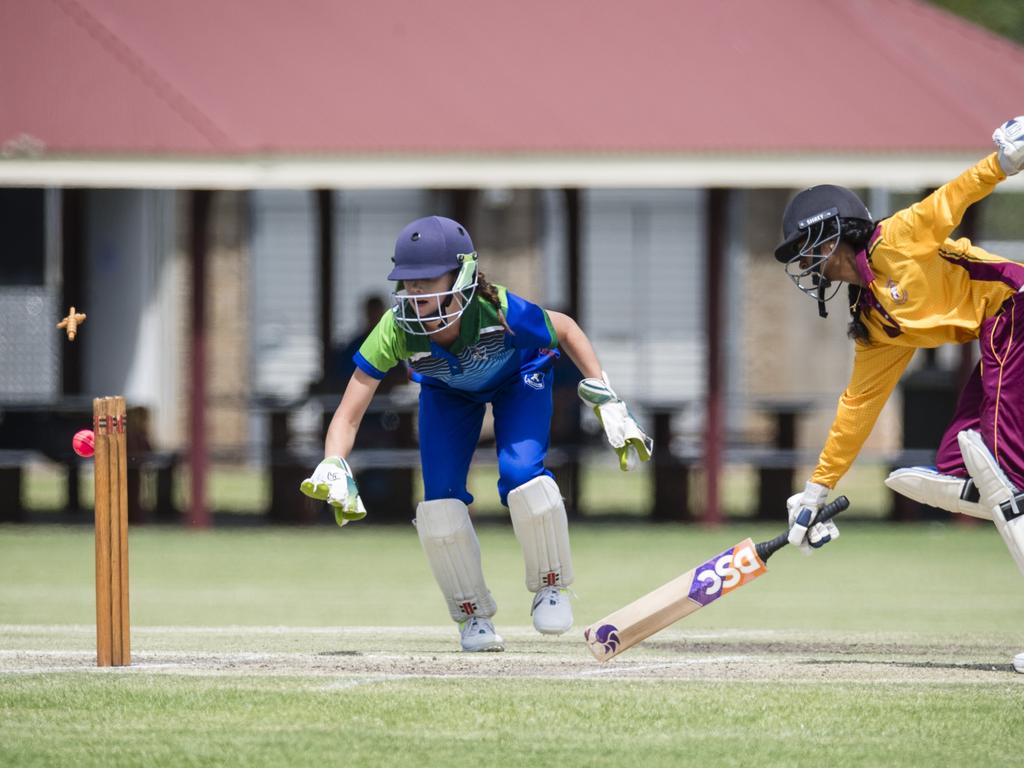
(490, 294)
(857, 233)
(856, 329)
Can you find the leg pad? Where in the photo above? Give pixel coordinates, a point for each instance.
(998, 494)
(540, 524)
(453, 551)
(927, 486)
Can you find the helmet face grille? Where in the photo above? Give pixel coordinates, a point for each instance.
(806, 267)
(812, 226)
(450, 304)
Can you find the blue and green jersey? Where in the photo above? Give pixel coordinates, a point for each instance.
(484, 356)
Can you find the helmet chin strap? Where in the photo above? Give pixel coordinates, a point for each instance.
(822, 283)
(465, 273)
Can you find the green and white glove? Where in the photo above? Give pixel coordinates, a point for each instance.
(332, 481)
(625, 435)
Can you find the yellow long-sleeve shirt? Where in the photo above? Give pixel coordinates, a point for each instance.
(921, 290)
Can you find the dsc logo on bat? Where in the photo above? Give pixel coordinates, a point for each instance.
(724, 573)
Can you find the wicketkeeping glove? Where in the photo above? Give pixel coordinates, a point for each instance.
(332, 481)
(625, 435)
(1009, 141)
(803, 507)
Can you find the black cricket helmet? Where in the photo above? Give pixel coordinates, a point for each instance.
(812, 226)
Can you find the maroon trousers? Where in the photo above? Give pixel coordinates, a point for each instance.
(992, 402)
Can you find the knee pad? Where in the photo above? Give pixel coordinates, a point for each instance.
(540, 524)
(453, 551)
(927, 486)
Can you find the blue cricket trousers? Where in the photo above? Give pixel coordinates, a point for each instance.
(449, 429)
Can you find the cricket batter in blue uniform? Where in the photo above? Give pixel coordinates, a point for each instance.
(468, 343)
(911, 286)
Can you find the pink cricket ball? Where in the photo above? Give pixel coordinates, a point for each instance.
(84, 442)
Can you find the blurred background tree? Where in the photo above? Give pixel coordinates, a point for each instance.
(1004, 17)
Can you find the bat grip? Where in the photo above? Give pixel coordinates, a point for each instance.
(768, 548)
(832, 509)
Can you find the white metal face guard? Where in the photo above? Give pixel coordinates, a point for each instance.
(451, 303)
(820, 241)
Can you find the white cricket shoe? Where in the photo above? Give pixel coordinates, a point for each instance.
(478, 635)
(552, 614)
(1018, 663)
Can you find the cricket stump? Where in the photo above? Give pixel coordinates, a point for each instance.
(113, 629)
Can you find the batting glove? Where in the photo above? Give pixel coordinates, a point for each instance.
(803, 508)
(332, 481)
(626, 437)
(1009, 141)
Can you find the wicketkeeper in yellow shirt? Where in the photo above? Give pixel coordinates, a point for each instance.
(911, 286)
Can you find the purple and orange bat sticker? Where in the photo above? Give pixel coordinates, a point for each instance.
(725, 572)
(718, 576)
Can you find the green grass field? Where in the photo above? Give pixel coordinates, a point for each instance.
(332, 647)
(245, 491)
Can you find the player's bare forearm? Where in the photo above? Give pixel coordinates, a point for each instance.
(575, 343)
(341, 433)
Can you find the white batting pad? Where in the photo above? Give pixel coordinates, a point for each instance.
(538, 518)
(997, 492)
(993, 484)
(927, 486)
(453, 551)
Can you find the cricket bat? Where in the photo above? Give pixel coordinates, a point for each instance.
(690, 592)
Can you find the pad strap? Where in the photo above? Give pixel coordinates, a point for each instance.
(970, 492)
(1013, 507)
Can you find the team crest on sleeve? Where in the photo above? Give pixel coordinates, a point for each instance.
(534, 380)
(897, 294)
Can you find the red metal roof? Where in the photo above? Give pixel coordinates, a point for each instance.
(237, 77)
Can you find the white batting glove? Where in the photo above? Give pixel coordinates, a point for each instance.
(332, 481)
(803, 508)
(626, 437)
(1009, 141)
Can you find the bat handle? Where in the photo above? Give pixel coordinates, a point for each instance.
(768, 548)
(832, 509)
